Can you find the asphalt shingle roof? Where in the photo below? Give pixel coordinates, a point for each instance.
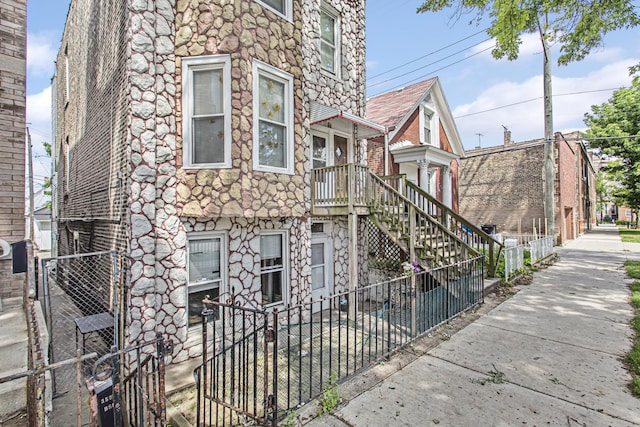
(389, 108)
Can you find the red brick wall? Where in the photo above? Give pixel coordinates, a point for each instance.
(375, 155)
(567, 211)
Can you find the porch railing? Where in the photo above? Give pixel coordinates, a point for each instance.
(470, 233)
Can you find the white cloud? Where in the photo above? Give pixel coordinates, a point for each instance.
(525, 119)
(39, 118)
(41, 54)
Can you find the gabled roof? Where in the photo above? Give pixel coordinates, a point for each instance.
(392, 109)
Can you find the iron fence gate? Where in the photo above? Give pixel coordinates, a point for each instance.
(258, 365)
(128, 386)
(81, 300)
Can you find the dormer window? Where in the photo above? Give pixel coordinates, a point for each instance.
(329, 40)
(429, 134)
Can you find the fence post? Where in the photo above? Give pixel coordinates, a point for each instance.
(160, 349)
(115, 379)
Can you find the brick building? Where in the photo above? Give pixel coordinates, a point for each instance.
(12, 138)
(423, 141)
(504, 185)
(186, 134)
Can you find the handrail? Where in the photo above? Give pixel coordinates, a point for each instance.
(473, 234)
(434, 231)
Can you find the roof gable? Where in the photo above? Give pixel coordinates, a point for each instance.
(393, 109)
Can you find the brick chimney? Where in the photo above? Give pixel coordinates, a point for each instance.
(507, 137)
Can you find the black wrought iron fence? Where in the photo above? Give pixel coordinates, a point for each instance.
(259, 364)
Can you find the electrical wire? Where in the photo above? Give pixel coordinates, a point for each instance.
(429, 54)
(533, 99)
(429, 64)
(434, 71)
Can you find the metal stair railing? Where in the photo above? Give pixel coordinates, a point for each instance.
(471, 234)
(427, 240)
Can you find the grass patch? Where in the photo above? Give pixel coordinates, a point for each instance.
(633, 358)
(630, 235)
(633, 270)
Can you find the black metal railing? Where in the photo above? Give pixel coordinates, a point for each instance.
(260, 364)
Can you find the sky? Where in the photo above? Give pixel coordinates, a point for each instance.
(484, 94)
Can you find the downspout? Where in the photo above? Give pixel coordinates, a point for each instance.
(386, 153)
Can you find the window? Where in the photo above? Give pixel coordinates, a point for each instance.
(66, 74)
(206, 254)
(272, 266)
(273, 119)
(281, 7)
(429, 134)
(206, 107)
(329, 37)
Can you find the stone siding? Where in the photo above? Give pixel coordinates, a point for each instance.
(12, 136)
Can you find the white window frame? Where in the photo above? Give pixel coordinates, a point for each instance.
(286, 14)
(197, 63)
(434, 126)
(284, 234)
(224, 267)
(328, 10)
(260, 68)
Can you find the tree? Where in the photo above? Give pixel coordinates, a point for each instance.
(579, 26)
(48, 182)
(614, 126)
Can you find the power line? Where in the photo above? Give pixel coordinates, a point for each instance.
(533, 99)
(434, 71)
(428, 54)
(427, 65)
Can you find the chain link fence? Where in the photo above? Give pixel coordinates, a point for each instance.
(81, 299)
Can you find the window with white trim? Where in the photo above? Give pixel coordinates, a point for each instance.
(206, 109)
(273, 271)
(429, 130)
(273, 119)
(207, 266)
(280, 7)
(329, 40)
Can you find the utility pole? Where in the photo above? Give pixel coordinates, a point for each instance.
(549, 164)
(30, 169)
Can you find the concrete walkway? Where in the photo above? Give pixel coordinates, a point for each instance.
(550, 355)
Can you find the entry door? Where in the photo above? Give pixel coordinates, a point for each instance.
(321, 271)
(330, 149)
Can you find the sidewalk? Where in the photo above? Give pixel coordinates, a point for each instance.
(551, 355)
(13, 359)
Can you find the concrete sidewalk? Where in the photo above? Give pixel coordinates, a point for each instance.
(550, 355)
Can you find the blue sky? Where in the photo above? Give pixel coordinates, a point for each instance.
(477, 88)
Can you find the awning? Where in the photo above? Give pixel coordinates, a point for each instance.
(322, 114)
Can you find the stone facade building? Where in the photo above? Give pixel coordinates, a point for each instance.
(423, 141)
(504, 185)
(186, 134)
(13, 27)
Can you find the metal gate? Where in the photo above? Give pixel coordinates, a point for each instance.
(81, 299)
(237, 382)
(128, 386)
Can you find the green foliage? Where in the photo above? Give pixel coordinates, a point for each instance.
(633, 358)
(619, 117)
(330, 397)
(290, 420)
(631, 235)
(577, 26)
(633, 269)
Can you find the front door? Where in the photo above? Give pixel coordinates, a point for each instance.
(330, 149)
(321, 266)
